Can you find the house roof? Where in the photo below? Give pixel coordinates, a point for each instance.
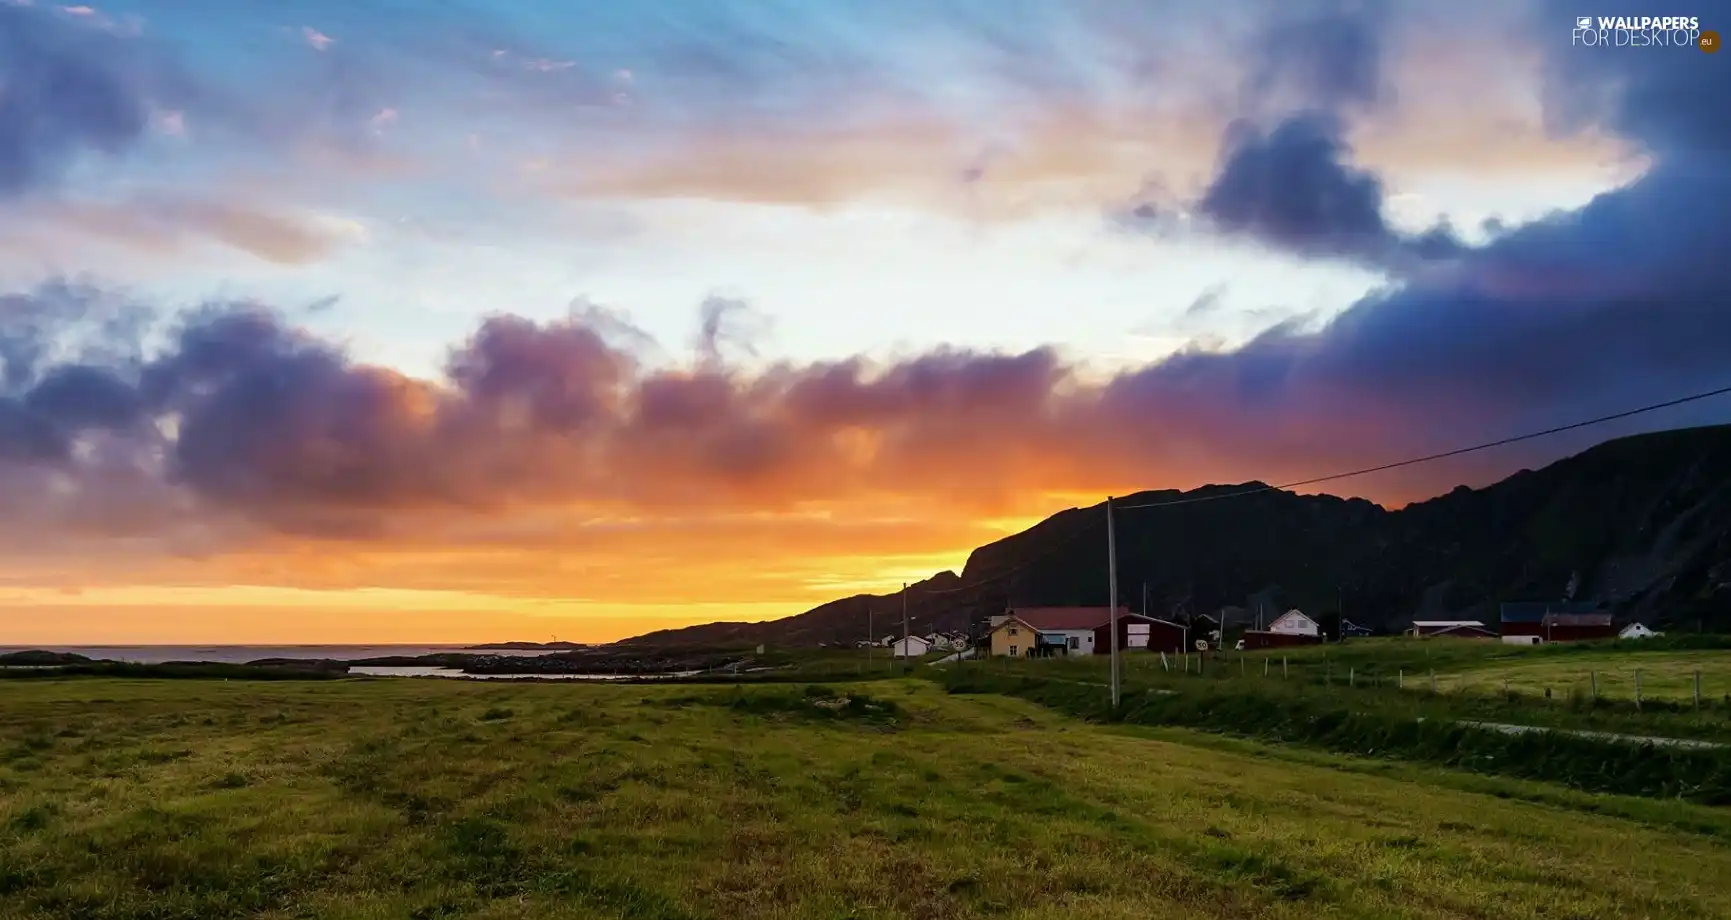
(1464, 628)
(1536, 611)
(1292, 614)
(1067, 617)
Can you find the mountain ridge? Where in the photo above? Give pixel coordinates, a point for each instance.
(1641, 523)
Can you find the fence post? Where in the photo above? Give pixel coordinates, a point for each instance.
(1283, 666)
(1240, 664)
(1637, 688)
(1594, 676)
(1697, 688)
(1400, 679)
(1505, 686)
(1433, 680)
(1265, 667)
(1352, 677)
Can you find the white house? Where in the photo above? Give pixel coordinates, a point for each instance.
(910, 647)
(1637, 631)
(938, 642)
(1295, 623)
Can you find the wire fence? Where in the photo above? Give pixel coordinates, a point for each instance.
(1702, 682)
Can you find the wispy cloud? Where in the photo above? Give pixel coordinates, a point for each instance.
(171, 223)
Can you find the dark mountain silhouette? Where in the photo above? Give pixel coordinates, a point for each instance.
(1642, 524)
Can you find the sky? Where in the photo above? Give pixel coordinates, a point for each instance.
(386, 322)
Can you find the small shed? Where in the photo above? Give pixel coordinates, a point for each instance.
(910, 647)
(1637, 631)
(1139, 633)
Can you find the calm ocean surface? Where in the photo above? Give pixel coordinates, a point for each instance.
(240, 654)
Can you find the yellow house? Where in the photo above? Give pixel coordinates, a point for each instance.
(1012, 638)
(1067, 630)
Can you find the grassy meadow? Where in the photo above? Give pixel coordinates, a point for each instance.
(887, 799)
(1663, 676)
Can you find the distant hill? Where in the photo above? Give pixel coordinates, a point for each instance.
(1641, 523)
(527, 646)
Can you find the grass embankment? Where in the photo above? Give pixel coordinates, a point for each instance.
(1669, 676)
(392, 799)
(781, 665)
(1391, 725)
(1479, 665)
(1396, 694)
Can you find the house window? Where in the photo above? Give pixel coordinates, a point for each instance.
(1075, 642)
(1012, 630)
(1012, 651)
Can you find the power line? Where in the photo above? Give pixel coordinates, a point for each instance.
(1428, 458)
(1414, 461)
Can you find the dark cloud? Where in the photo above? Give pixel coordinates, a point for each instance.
(1293, 188)
(1206, 303)
(78, 396)
(1670, 99)
(27, 437)
(1618, 303)
(68, 89)
(1285, 176)
(1323, 54)
(65, 321)
(729, 323)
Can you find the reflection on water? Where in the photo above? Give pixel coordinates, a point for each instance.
(417, 671)
(241, 654)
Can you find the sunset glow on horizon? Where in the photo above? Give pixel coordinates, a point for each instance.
(512, 321)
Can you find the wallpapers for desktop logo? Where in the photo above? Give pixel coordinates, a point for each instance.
(1643, 32)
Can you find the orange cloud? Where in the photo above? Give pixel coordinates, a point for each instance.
(160, 223)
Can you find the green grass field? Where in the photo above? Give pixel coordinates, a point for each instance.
(1664, 675)
(443, 799)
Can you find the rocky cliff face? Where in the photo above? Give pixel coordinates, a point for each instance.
(1641, 523)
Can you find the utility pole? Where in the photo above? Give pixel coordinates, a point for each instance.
(871, 638)
(906, 662)
(1112, 595)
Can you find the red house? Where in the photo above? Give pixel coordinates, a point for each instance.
(1568, 622)
(1140, 633)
